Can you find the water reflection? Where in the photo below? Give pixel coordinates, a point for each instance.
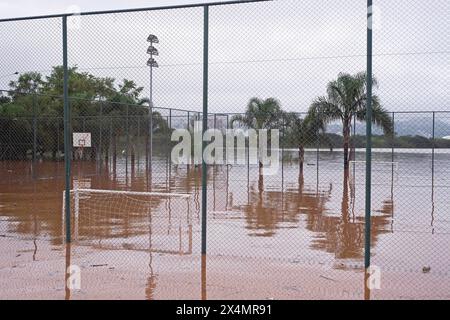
(203, 278)
(152, 277)
(266, 211)
(68, 257)
(343, 235)
(328, 213)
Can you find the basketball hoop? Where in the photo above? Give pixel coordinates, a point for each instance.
(81, 145)
(81, 140)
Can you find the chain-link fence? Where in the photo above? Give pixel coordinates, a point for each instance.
(90, 106)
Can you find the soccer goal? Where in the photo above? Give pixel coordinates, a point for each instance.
(112, 219)
(383, 172)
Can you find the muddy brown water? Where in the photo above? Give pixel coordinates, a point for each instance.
(283, 228)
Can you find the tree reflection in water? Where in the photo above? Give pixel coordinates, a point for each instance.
(342, 234)
(337, 229)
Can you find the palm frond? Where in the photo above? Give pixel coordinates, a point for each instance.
(238, 118)
(325, 111)
(380, 116)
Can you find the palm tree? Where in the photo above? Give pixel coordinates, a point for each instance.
(347, 97)
(158, 123)
(303, 132)
(261, 114)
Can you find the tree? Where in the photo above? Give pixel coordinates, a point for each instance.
(97, 105)
(261, 114)
(303, 132)
(159, 124)
(347, 97)
(4, 99)
(28, 82)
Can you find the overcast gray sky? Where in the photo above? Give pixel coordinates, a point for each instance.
(287, 49)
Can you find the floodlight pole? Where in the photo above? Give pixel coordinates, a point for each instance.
(152, 39)
(150, 113)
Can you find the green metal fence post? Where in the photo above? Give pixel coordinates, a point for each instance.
(354, 144)
(110, 143)
(188, 117)
(392, 160)
(169, 160)
(58, 140)
(205, 122)
(248, 169)
(368, 201)
(188, 128)
(138, 135)
(354, 138)
(317, 159)
(433, 146)
(34, 135)
(214, 169)
(127, 133)
(67, 140)
(282, 156)
(393, 138)
(228, 167)
(100, 151)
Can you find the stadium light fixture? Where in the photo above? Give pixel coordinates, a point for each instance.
(152, 51)
(152, 63)
(152, 39)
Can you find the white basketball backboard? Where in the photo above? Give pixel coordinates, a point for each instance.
(82, 139)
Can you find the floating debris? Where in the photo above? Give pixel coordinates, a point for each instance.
(324, 277)
(99, 265)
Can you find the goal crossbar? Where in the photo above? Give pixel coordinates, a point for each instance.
(78, 195)
(376, 162)
(132, 193)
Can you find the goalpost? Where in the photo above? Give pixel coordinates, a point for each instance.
(382, 171)
(113, 219)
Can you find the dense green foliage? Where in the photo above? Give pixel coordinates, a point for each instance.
(33, 110)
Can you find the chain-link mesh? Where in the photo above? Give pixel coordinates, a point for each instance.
(287, 226)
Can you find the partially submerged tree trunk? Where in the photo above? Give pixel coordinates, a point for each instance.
(346, 135)
(106, 151)
(301, 159)
(147, 150)
(114, 154)
(133, 158)
(261, 178)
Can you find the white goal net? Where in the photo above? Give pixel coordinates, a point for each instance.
(111, 219)
(383, 172)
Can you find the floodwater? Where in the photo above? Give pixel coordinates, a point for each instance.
(288, 235)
